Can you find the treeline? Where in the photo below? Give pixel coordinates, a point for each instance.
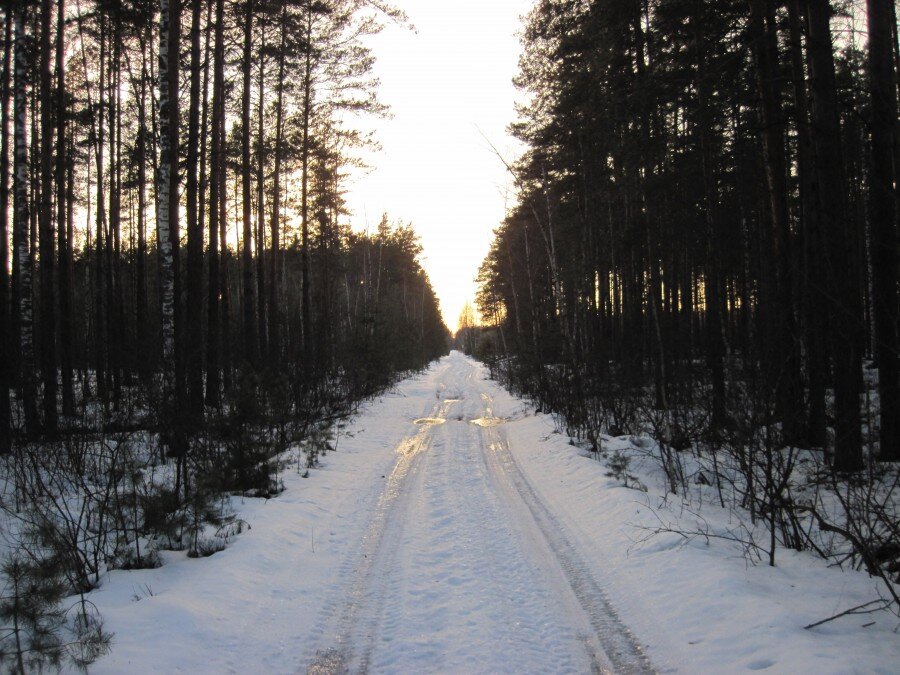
(707, 221)
(172, 213)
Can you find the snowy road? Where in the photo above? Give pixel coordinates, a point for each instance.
(454, 531)
(463, 568)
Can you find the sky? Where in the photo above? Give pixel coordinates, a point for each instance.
(449, 86)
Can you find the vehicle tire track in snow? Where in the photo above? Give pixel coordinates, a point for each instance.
(465, 595)
(616, 641)
(368, 566)
(462, 567)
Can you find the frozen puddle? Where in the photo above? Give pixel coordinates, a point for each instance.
(488, 421)
(429, 421)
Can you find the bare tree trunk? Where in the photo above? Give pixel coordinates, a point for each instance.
(306, 313)
(21, 224)
(216, 200)
(47, 235)
(100, 309)
(782, 357)
(840, 233)
(194, 317)
(7, 359)
(275, 224)
(249, 305)
(810, 232)
(167, 234)
(143, 343)
(261, 294)
(713, 290)
(114, 329)
(227, 351)
(64, 243)
(203, 205)
(168, 164)
(883, 221)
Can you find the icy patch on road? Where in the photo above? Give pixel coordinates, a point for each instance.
(488, 421)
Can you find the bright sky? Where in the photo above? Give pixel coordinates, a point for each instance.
(447, 84)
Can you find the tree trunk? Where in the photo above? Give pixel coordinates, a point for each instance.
(261, 294)
(203, 205)
(811, 241)
(216, 199)
(47, 235)
(21, 224)
(275, 225)
(883, 221)
(143, 343)
(713, 285)
(782, 357)
(115, 338)
(194, 315)
(249, 305)
(305, 311)
(64, 243)
(100, 313)
(167, 197)
(7, 359)
(840, 233)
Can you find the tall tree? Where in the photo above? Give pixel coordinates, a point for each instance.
(216, 208)
(64, 243)
(883, 219)
(813, 300)
(260, 232)
(21, 224)
(194, 298)
(167, 195)
(248, 302)
(275, 219)
(7, 359)
(783, 349)
(45, 218)
(838, 228)
(306, 116)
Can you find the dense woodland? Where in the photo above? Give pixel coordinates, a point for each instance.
(178, 281)
(704, 244)
(172, 193)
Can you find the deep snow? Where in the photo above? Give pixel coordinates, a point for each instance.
(455, 531)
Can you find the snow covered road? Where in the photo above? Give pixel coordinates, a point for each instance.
(463, 569)
(454, 531)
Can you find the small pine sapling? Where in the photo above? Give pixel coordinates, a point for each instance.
(31, 615)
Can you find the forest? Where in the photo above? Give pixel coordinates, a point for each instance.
(704, 250)
(182, 300)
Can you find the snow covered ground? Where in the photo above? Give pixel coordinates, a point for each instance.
(454, 531)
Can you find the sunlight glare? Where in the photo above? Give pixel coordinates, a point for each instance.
(449, 85)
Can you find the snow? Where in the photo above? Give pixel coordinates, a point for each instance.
(455, 531)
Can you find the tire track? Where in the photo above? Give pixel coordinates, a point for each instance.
(354, 625)
(612, 639)
(466, 510)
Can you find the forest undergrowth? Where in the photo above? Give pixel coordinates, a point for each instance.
(776, 496)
